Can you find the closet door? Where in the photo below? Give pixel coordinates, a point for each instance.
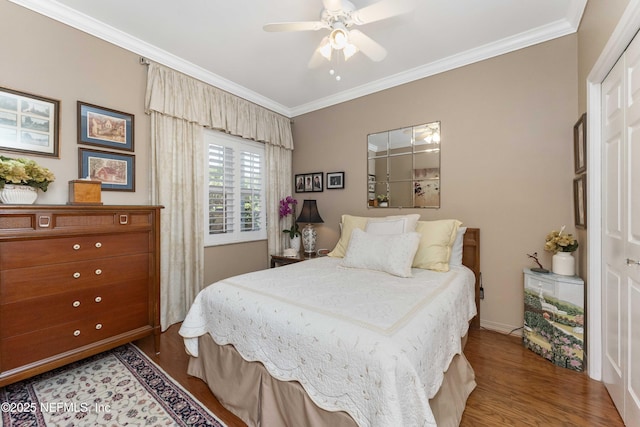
(621, 234)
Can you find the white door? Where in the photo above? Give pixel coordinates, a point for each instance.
(621, 234)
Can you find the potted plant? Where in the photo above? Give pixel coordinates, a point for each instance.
(383, 200)
(20, 179)
(288, 207)
(562, 245)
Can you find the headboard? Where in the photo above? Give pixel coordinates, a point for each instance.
(471, 259)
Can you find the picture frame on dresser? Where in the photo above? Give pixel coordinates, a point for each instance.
(116, 171)
(29, 123)
(580, 144)
(105, 127)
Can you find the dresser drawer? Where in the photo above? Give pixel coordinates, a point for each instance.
(40, 344)
(34, 282)
(27, 253)
(70, 306)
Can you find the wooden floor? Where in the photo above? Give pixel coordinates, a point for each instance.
(515, 386)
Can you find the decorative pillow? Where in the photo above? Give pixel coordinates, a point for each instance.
(456, 249)
(391, 253)
(387, 226)
(350, 222)
(436, 240)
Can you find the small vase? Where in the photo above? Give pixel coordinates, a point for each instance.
(384, 204)
(563, 263)
(294, 243)
(13, 194)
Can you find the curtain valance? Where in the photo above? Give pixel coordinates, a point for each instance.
(175, 94)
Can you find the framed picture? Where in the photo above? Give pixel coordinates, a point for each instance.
(580, 144)
(104, 127)
(580, 201)
(371, 187)
(308, 182)
(29, 123)
(335, 180)
(115, 170)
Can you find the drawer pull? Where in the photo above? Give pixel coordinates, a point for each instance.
(76, 275)
(98, 245)
(124, 219)
(76, 303)
(99, 326)
(76, 332)
(76, 247)
(98, 299)
(98, 272)
(44, 221)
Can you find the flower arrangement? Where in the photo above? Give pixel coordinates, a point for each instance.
(558, 242)
(24, 172)
(288, 207)
(382, 198)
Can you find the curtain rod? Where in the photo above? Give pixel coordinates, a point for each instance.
(144, 61)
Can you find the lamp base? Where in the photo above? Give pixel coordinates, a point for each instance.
(309, 236)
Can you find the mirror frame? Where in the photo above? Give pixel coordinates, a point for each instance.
(399, 147)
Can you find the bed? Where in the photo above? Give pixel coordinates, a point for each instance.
(325, 343)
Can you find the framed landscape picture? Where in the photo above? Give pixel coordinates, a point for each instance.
(105, 127)
(115, 170)
(29, 123)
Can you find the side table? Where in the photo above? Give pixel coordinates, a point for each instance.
(280, 260)
(554, 318)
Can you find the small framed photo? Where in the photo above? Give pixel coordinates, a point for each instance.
(580, 201)
(335, 180)
(29, 123)
(115, 170)
(104, 127)
(580, 144)
(317, 181)
(300, 183)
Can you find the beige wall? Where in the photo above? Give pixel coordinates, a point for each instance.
(507, 157)
(44, 57)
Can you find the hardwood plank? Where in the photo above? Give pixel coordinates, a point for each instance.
(515, 386)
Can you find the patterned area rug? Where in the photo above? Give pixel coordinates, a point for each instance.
(121, 387)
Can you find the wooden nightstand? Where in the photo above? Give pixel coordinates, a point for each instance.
(279, 259)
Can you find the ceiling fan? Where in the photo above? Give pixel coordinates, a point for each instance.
(339, 16)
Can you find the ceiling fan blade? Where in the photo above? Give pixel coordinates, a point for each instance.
(382, 10)
(367, 45)
(295, 26)
(317, 59)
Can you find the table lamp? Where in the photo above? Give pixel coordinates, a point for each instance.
(309, 216)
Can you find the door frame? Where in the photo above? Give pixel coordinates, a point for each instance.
(624, 32)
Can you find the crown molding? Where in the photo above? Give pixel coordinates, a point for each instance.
(87, 24)
(538, 35)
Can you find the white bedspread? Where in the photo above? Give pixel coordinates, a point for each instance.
(360, 341)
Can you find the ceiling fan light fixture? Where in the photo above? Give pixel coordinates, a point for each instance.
(339, 38)
(349, 50)
(325, 50)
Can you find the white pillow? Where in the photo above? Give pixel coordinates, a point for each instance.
(456, 249)
(388, 226)
(391, 253)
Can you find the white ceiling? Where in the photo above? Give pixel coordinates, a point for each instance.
(222, 41)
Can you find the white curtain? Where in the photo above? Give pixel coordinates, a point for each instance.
(180, 107)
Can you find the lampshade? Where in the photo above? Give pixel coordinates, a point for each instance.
(309, 213)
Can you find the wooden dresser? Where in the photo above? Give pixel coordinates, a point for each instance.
(75, 281)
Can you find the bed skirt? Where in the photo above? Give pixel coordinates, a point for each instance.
(248, 390)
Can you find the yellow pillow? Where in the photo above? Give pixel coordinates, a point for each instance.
(349, 223)
(436, 240)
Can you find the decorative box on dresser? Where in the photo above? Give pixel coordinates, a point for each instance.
(75, 281)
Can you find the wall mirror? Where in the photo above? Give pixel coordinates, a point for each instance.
(404, 167)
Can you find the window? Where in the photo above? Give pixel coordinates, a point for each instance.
(234, 195)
